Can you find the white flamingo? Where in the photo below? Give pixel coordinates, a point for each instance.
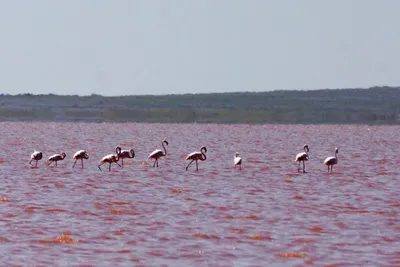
(302, 157)
(110, 158)
(158, 153)
(81, 154)
(36, 156)
(56, 157)
(330, 161)
(125, 154)
(197, 155)
(237, 160)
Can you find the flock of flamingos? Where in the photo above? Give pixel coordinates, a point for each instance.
(158, 153)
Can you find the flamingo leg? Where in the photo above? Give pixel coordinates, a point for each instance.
(30, 162)
(304, 166)
(48, 164)
(82, 162)
(56, 162)
(36, 164)
(298, 168)
(157, 162)
(189, 164)
(197, 167)
(240, 166)
(74, 164)
(154, 164)
(109, 166)
(118, 164)
(122, 162)
(100, 165)
(332, 168)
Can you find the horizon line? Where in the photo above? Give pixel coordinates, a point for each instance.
(210, 93)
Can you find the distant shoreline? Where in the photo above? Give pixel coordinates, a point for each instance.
(375, 105)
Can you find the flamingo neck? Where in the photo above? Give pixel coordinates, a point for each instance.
(203, 155)
(165, 150)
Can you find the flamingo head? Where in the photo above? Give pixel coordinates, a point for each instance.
(118, 150)
(336, 150)
(63, 155)
(165, 141)
(203, 148)
(237, 154)
(306, 148)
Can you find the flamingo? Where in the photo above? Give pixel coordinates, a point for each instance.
(237, 160)
(56, 157)
(303, 156)
(195, 156)
(110, 158)
(156, 154)
(122, 154)
(81, 154)
(36, 155)
(330, 161)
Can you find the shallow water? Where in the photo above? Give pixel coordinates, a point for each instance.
(264, 214)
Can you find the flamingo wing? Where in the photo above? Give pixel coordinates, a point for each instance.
(238, 160)
(124, 154)
(55, 157)
(79, 153)
(193, 155)
(155, 153)
(107, 158)
(329, 160)
(301, 156)
(36, 155)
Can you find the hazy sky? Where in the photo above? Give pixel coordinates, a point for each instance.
(121, 47)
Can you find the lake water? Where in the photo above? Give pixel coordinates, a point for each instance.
(267, 214)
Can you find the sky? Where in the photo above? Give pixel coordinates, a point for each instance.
(132, 47)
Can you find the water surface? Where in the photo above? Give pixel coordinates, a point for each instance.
(267, 214)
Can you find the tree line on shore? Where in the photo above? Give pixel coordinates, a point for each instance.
(375, 105)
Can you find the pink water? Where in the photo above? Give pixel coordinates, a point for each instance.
(264, 215)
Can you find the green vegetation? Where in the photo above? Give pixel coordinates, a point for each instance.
(377, 105)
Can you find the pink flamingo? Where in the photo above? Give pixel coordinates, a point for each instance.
(330, 161)
(195, 156)
(302, 157)
(111, 158)
(156, 154)
(125, 154)
(56, 157)
(81, 154)
(36, 156)
(237, 160)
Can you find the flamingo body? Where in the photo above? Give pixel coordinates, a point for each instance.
(36, 156)
(158, 153)
(55, 158)
(237, 160)
(125, 154)
(81, 154)
(330, 161)
(196, 156)
(302, 157)
(110, 158)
